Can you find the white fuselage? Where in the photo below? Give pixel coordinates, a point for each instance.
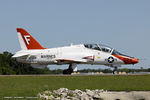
(67, 54)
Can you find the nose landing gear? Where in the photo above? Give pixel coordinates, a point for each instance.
(115, 71)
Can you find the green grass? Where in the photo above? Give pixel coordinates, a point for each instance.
(31, 85)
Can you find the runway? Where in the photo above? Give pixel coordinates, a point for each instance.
(86, 74)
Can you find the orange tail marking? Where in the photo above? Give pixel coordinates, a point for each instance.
(29, 41)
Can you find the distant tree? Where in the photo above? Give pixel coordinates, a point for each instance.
(107, 71)
(8, 65)
(148, 69)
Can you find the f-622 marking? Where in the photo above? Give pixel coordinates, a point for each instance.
(26, 39)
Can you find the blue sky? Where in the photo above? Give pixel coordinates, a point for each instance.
(124, 25)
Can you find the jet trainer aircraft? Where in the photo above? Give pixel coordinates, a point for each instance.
(95, 54)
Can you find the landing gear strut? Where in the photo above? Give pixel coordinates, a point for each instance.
(115, 71)
(72, 67)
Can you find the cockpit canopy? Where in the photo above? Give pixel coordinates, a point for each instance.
(104, 48)
(99, 47)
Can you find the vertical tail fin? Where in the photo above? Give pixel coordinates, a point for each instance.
(27, 41)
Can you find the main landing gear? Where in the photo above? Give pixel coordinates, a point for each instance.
(72, 67)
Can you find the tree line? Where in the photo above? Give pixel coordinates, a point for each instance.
(9, 66)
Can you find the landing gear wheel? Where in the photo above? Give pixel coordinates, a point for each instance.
(70, 69)
(67, 71)
(115, 71)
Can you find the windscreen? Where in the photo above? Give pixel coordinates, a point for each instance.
(105, 48)
(115, 52)
(92, 46)
(99, 47)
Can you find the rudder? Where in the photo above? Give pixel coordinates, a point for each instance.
(27, 41)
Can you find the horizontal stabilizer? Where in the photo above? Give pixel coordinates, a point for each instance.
(20, 55)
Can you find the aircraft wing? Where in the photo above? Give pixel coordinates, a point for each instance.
(75, 60)
(71, 60)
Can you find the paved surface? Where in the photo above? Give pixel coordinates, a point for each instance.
(82, 74)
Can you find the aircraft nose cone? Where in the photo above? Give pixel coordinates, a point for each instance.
(134, 60)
